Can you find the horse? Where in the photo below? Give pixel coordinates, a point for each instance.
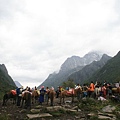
(26, 99)
(51, 96)
(97, 92)
(10, 95)
(35, 96)
(70, 93)
(116, 91)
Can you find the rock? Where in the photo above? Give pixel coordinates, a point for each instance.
(66, 106)
(108, 109)
(75, 108)
(106, 114)
(67, 101)
(38, 106)
(10, 115)
(91, 114)
(53, 108)
(35, 111)
(104, 117)
(23, 111)
(111, 115)
(71, 110)
(77, 117)
(79, 110)
(33, 116)
(4, 111)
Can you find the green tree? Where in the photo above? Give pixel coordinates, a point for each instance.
(69, 83)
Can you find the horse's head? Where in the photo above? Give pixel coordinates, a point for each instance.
(78, 90)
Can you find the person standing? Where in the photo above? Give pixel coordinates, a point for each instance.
(57, 92)
(91, 89)
(84, 90)
(104, 91)
(19, 95)
(79, 91)
(47, 94)
(42, 93)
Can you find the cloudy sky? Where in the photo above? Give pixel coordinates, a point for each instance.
(37, 36)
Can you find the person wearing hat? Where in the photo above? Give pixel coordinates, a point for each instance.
(19, 95)
(57, 92)
(42, 93)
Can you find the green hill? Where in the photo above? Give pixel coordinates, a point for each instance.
(6, 82)
(109, 72)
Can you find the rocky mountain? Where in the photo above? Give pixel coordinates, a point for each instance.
(83, 75)
(75, 61)
(6, 82)
(109, 72)
(17, 84)
(70, 66)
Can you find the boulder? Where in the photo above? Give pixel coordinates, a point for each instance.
(34, 116)
(108, 109)
(35, 111)
(104, 117)
(53, 108)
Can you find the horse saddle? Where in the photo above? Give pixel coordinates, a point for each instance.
(70, 91)
(13, 92)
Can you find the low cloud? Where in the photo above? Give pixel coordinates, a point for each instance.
(38, 36)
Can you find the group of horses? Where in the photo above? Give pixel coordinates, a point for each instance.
(28, 97)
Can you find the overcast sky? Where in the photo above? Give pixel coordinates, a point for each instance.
(37, 36)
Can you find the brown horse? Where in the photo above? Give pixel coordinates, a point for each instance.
(51, 96)
(35, 96)
(10, 95)
(26, 99)
(71, 93)
(116, 91)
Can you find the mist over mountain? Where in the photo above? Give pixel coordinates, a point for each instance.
(83, 75)
(69, 67)
(75, 61)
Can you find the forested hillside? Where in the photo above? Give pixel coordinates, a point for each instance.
(109, 72)
(76, 68)
(84, 74)
(6, 82)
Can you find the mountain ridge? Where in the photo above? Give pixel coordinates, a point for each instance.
(6, 81)
(71, 65)
(110, 71)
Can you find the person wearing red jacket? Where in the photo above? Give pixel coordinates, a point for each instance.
(91, 89)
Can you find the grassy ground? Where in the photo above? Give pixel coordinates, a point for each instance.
(12, 112)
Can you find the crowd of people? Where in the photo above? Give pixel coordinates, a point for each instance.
(94, 90)
(41, 97)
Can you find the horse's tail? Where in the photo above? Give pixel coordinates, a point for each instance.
(26, 95)
(28, 99)
(29, 96)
